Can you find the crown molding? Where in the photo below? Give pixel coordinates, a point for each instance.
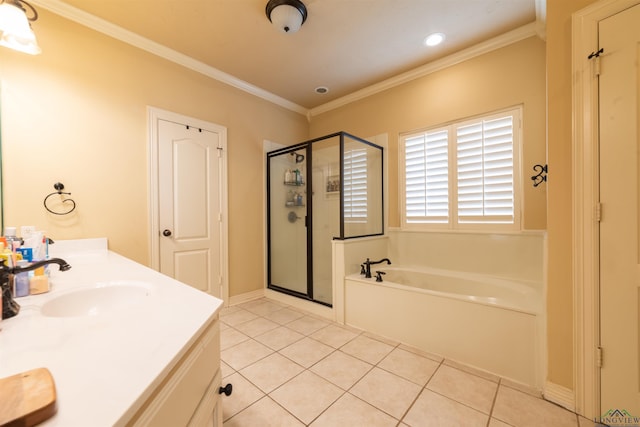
(541, 19)
(98, 24)
(105, 27)
(498, 42)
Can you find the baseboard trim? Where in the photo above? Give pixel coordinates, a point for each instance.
(560, 396)
(302, 304)
(247, 296)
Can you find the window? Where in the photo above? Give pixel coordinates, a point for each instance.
(465, 174)
(355, 185)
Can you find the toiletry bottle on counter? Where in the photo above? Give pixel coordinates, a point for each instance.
(26, 253)
(39, 282)
(8, 256)
(21, 281)
(13, 241)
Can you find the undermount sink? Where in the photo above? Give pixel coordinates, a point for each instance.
(99, 299)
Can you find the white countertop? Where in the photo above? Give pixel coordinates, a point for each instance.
(104, 366)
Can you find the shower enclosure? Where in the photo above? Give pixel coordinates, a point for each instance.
(323, 189)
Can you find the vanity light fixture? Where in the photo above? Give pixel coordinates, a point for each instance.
(15, 26)
(434, 39)
(287, 15)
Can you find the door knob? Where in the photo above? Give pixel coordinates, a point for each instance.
(166, 233)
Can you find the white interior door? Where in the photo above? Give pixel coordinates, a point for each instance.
(189, 217)
(619, 36)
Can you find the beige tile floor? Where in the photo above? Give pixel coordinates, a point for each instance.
(290, 368)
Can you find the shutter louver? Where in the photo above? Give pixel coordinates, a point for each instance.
(427, 177)
(355, 185)
(485, 171)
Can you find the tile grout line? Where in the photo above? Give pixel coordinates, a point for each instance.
(304, 369)
(424, 387)
(493, 403)
(334, 350)
(361, 333)
(344, 391)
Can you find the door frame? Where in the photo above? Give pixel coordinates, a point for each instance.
(585, 199)
(154, 115)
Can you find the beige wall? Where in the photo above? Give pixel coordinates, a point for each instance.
(77, 114)
(509, 76)
(559, 223)
(506, 77)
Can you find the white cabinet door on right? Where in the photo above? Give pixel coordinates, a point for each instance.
(619, 36)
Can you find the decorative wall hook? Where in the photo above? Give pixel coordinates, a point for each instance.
(58, 186)
(541, 175)
(595, 54)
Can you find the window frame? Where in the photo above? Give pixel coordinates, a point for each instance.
(453, 221)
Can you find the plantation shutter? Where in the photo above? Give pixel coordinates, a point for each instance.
(355, 185)
(485, 152)
(427, 177)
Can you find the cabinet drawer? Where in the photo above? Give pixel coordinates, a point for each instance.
(178, 397)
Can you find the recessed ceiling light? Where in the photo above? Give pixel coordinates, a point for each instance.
(434, 39)
(322, 90)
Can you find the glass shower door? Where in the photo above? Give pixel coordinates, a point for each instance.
(287, 234)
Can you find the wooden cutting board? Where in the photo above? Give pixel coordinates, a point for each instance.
(27, 399)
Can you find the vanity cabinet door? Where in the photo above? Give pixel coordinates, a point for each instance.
(190, 389)
(209, 412)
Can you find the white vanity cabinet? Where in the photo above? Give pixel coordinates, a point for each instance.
(189, 396)
(148, 359)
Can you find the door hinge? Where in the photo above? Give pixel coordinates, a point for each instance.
(219, 216)
(598, 212)
(599, 357)
(219, 151)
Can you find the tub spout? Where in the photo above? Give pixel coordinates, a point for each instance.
(368, 263)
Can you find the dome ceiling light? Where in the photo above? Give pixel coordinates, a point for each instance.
(287, 15)
(15, 27)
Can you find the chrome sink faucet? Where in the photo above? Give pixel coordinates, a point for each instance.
(366, 267)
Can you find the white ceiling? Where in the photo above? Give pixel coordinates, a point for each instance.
(345, 45)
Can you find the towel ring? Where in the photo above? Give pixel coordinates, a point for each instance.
(58, 186)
